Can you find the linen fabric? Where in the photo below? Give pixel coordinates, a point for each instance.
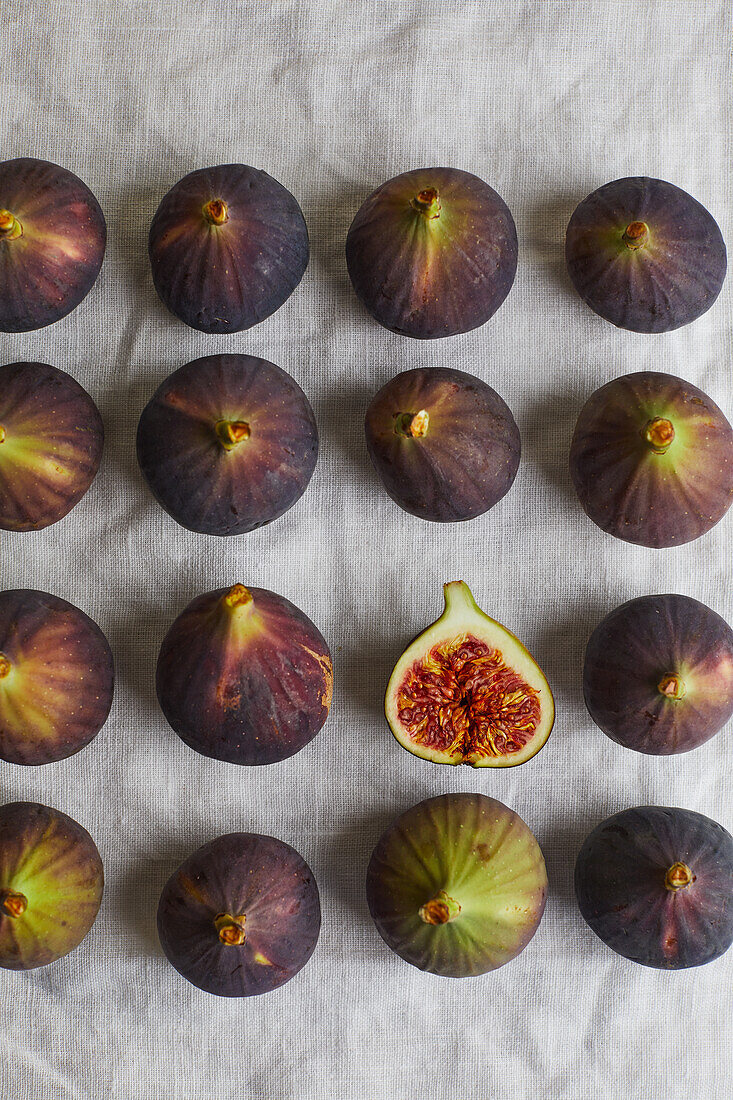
(545, 101)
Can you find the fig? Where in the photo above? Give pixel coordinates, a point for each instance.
(658, 674)
(652, 460)
(457, 885)
(444, 443)
(56, 678)
(227, 444)
(51, 882)
(466, 691)
(244, 676)
(432, 253)
(240, 916)
(228, 245)
(645, 255)
(51, 440)
(655, 883)
(52, 241)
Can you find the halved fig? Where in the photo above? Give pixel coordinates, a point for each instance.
(52, 240)
(56, 678)
(241, 916)
(227, 443)
(645, 255)
(51, 883)
(457, 885)
(466, 691)
(244, 676)
(51, 440)
(444, 443)
(228, 245)
(655, 883)
(432, 252)
(658, 674)
(652, 459)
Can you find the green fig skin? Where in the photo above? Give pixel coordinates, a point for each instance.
(651, 460)
(645, 255)
(432, 253)
(51, 884)
(655, 883)
(244, 676)
(444, 443)
(241, 916)
(56, 678)
(51, 440)
(52, 241)
(457, 885)
(658, 674)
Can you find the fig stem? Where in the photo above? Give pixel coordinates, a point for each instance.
(10, 227)
(412, 425)
(238, 596)
(659, 433)
(5, 666)
(427, 203)
(672, 686)
(230, 929)
(14, 904)
(439, 910)
(232, 432)
(678, 876)
(216, 212)
(636, 235)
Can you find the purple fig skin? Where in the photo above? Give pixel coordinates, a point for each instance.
(213, 485)
(56, 678)
(272, 895)
(432, 253)
(231, 273)
(51, 442)
(658, 674)
(51, 884)
(664, 274)
(457, 885)
(655, 883)
(244, 676)
(52, 242)
(656, 494)
(452, 465)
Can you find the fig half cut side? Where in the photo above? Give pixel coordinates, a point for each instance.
(466, 691)
(457, 885)
(51, 883)
(658, 674)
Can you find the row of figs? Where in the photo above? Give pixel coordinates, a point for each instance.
(455, 886)
(430, 253)
(228, 443)
(245, 677)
